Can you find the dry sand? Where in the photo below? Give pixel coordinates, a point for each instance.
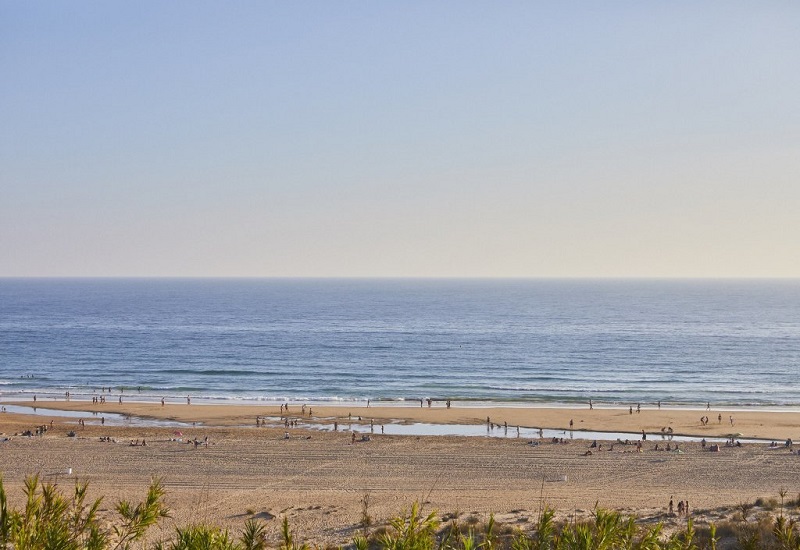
(318, 478)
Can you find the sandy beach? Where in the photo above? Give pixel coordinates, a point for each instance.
(318, 478)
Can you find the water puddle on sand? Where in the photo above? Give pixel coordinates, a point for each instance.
(482, 430)
(93, 417)
(391, 428)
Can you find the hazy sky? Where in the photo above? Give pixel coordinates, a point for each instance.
(511, 139)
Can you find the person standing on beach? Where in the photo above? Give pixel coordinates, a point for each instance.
(671, 506)
(188, 400)
(591, 406)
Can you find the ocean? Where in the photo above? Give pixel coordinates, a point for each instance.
(558, 342)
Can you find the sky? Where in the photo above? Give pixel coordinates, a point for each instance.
(400, 139)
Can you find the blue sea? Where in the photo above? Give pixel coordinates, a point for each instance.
(617, 342)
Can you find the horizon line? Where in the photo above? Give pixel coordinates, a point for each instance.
(406, 277)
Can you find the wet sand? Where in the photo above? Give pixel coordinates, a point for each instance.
(318, 478)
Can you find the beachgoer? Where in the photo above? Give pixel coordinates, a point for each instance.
(630, 410)
(644, 436)
(570, 424)
(188, 400)
(590, 405)
(638, 407)
(719, 418)
(162, 401)
(671, 506)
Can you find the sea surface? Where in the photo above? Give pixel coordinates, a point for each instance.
(617, 342)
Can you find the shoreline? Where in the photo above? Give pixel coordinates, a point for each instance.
(131, 393)
(749, 423)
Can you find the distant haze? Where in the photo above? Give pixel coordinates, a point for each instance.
(408, 139)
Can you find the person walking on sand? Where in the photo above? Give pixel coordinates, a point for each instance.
(671, 506)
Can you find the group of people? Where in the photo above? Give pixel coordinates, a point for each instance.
(39, 430)
(683, 507)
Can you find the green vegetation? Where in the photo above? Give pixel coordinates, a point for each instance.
(51, 520)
